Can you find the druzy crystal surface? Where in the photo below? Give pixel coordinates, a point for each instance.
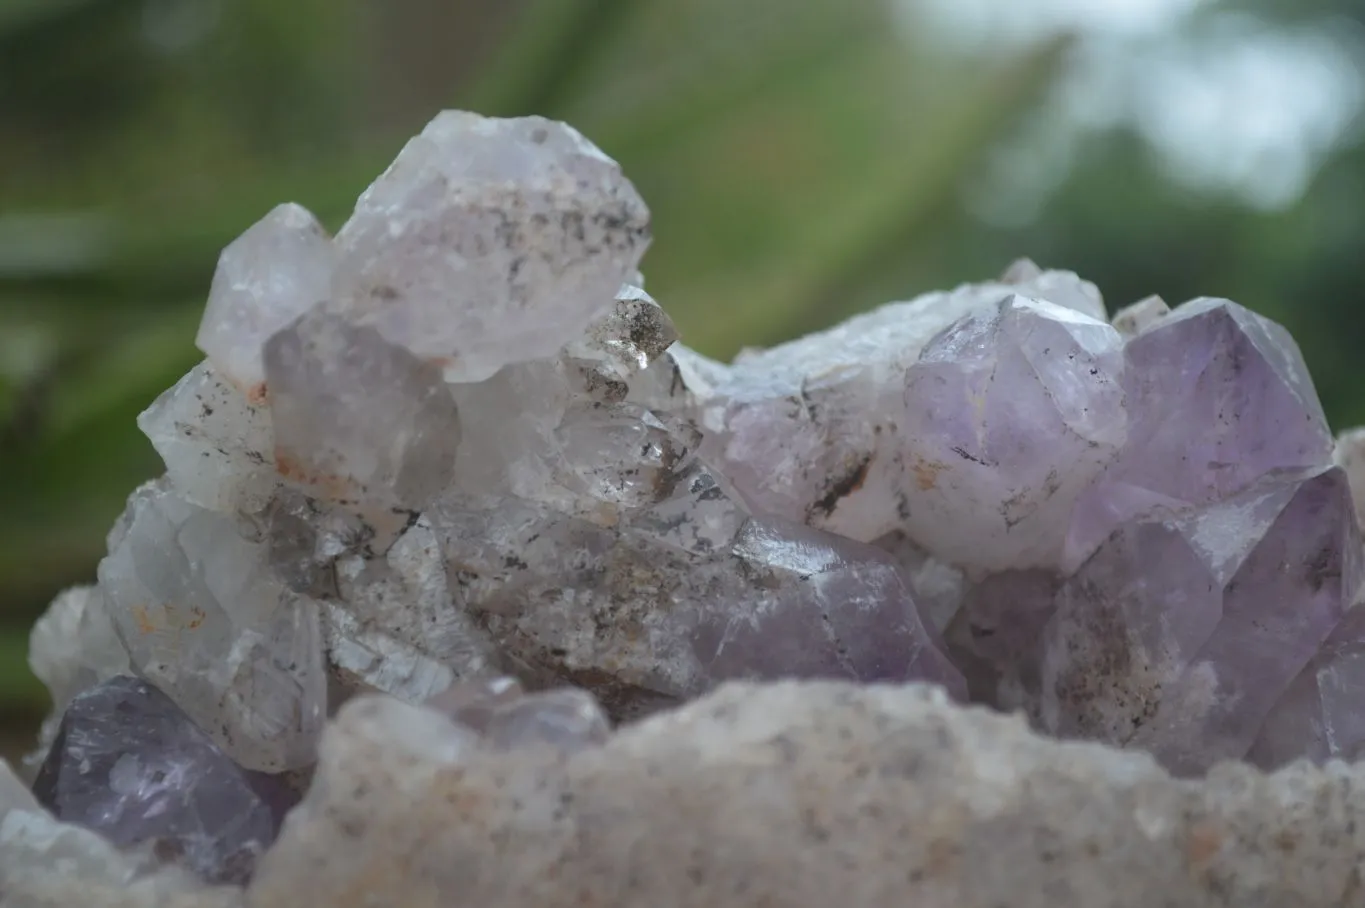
(457, 455)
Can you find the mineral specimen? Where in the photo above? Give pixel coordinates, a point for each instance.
(456, 456)
(128, 763)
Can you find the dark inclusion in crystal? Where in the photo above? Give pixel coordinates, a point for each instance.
(129, 764)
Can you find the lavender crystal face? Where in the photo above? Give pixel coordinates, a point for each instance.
(812, 430)
(1188, 661)
(1009, 416)
(129, 764)
(1217, 396)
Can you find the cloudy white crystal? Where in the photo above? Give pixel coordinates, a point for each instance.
(490, 242)
(203, 617)
(274, 272)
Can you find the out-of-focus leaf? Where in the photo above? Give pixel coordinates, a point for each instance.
(851, 230)
(65, 484)
(679, 67)
(541, 62)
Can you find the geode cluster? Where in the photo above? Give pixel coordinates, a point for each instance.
(455, 455)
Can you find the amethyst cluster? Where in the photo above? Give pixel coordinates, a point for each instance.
(457, 442)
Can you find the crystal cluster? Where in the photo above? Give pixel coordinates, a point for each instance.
(455, 455)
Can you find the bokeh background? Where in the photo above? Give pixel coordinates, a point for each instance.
(804, 159)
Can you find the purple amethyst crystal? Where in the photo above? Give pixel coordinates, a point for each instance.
(1217, 396)
(1180, 634)
(129, 764)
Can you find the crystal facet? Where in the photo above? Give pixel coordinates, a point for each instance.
(274, 272)
(129, 764)
(489, 242)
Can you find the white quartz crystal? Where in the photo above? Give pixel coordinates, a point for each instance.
(1138, 317)
(489, 242)
(274, 272)
(204, 618)
(218, 446)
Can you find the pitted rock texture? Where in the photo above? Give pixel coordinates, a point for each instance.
(803, 796)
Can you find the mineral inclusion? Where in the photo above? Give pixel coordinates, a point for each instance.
(455, 454)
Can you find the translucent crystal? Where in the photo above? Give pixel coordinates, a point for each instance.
(1217, 396)
(1349, 454)
(812, 430)
(393, 627)
(507, 717)
(1188, 660)
(640, 619)
(1138, 317)
(1322, 714)
(129, 764)
(490, 242)
(357, 418)
(73, 646)
(203, 617)
(218, 447)
(274, 272)
(1009, 415)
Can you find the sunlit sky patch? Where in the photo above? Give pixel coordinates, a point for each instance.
(1235, 104)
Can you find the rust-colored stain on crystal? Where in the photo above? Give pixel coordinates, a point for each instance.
(145, 624)
(1205, 841)
(926, 473)
(197, 619)
(328, 485)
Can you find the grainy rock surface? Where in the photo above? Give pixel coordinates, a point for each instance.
(803, 794)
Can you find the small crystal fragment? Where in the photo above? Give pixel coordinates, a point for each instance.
(1138, 317)
(217, 445)
(507, 717)
(489, 242)
(274, 272)
(1349, 454)
(73, 646)
(129, 764)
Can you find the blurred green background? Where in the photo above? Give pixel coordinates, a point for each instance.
(804, 159)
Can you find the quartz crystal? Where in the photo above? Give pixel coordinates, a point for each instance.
(218, 446)
(490, 242)
(451, 478)
(507, 717)
(1217, 396)
(274, 272)
(1009, 415)
(129, 764)
(1188, 660)
(356, 418)
(202, 616)
(812, 430)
